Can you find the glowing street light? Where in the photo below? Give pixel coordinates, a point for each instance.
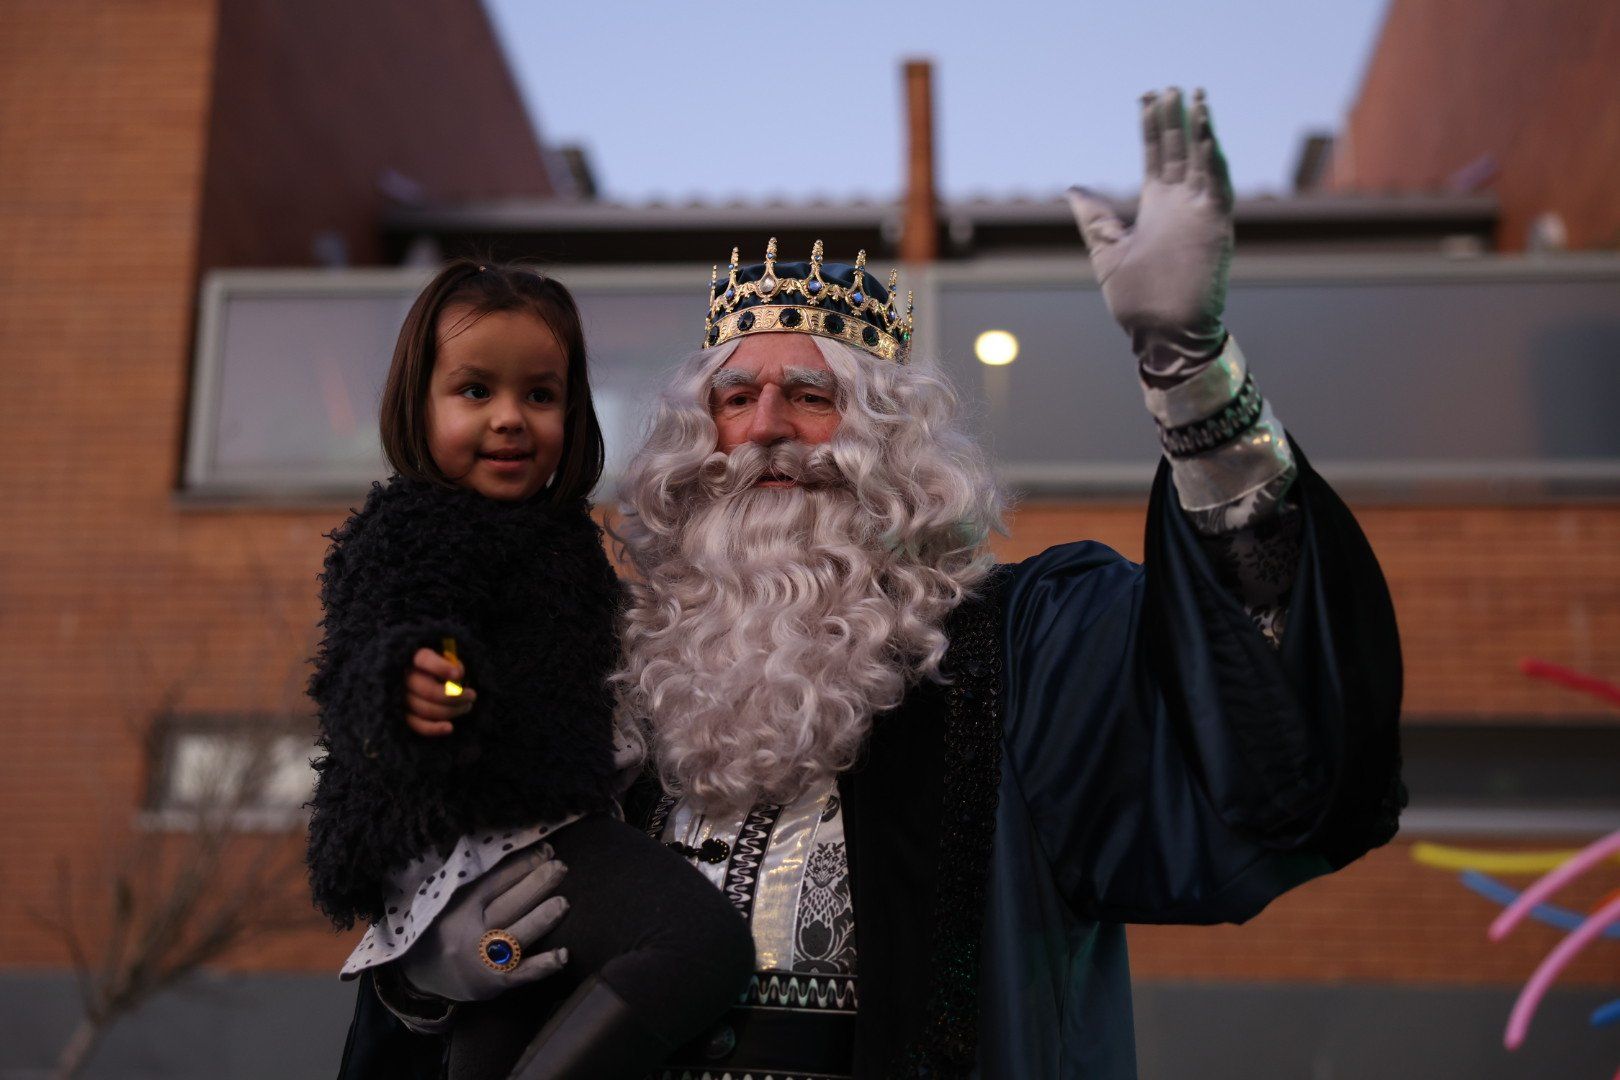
(998, 348)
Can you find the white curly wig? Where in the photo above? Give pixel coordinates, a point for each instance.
(770, 625)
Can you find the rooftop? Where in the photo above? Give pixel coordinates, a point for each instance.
(591, 231)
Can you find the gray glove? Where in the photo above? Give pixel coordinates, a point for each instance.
(445, 962)
(1164, 278)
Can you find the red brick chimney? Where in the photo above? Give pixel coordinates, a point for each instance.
(919, 227)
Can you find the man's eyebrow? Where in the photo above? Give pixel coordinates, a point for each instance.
(726, 378)
(816, 377)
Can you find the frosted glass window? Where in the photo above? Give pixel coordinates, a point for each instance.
(1400, 376)
(1396, 375)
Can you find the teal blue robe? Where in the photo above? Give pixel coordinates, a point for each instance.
(1163, 764)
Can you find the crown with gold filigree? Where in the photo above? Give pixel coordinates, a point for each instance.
(831, 300)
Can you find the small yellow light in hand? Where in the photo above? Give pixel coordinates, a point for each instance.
(451, 689)
(997, 348)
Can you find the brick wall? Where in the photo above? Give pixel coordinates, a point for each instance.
(314, 102)
(1532, 87)
(104, 112)
(1382, 919)
(1476, 588)
(115, 599)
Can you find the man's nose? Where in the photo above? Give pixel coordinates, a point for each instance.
(771, 422)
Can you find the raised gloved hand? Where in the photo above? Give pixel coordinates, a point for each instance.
(1164, 278)
(445, 961)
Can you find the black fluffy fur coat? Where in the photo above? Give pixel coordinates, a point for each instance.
(529, 596)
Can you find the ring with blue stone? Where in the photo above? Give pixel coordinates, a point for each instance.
(500, 950)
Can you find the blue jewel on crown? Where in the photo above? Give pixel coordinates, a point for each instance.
(857, 297)
(812, 286)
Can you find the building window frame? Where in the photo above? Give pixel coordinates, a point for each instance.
(195, 766)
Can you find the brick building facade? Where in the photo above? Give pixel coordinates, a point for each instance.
(147, 143)
(1491, 95)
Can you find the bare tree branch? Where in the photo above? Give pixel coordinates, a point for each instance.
(170, 902)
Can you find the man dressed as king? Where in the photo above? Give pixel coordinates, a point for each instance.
(939, 788)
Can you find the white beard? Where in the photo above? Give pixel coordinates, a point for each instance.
(766, 638)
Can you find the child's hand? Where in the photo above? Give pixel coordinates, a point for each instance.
(428, 709)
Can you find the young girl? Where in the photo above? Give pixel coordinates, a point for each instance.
(481, 549)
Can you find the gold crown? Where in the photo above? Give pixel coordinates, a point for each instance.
(828, 300)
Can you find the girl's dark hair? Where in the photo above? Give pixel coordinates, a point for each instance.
(486, 287)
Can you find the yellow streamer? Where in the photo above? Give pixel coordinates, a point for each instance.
(1442, 857)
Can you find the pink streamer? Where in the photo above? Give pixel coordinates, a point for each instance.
(1535, 989)
(1552, 881)
(1602, 689)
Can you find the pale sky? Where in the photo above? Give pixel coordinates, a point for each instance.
(677, 99)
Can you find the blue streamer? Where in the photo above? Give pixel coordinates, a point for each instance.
(1606, 1014)
(1550, 914)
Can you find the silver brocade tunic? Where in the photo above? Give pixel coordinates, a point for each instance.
(786, 871)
